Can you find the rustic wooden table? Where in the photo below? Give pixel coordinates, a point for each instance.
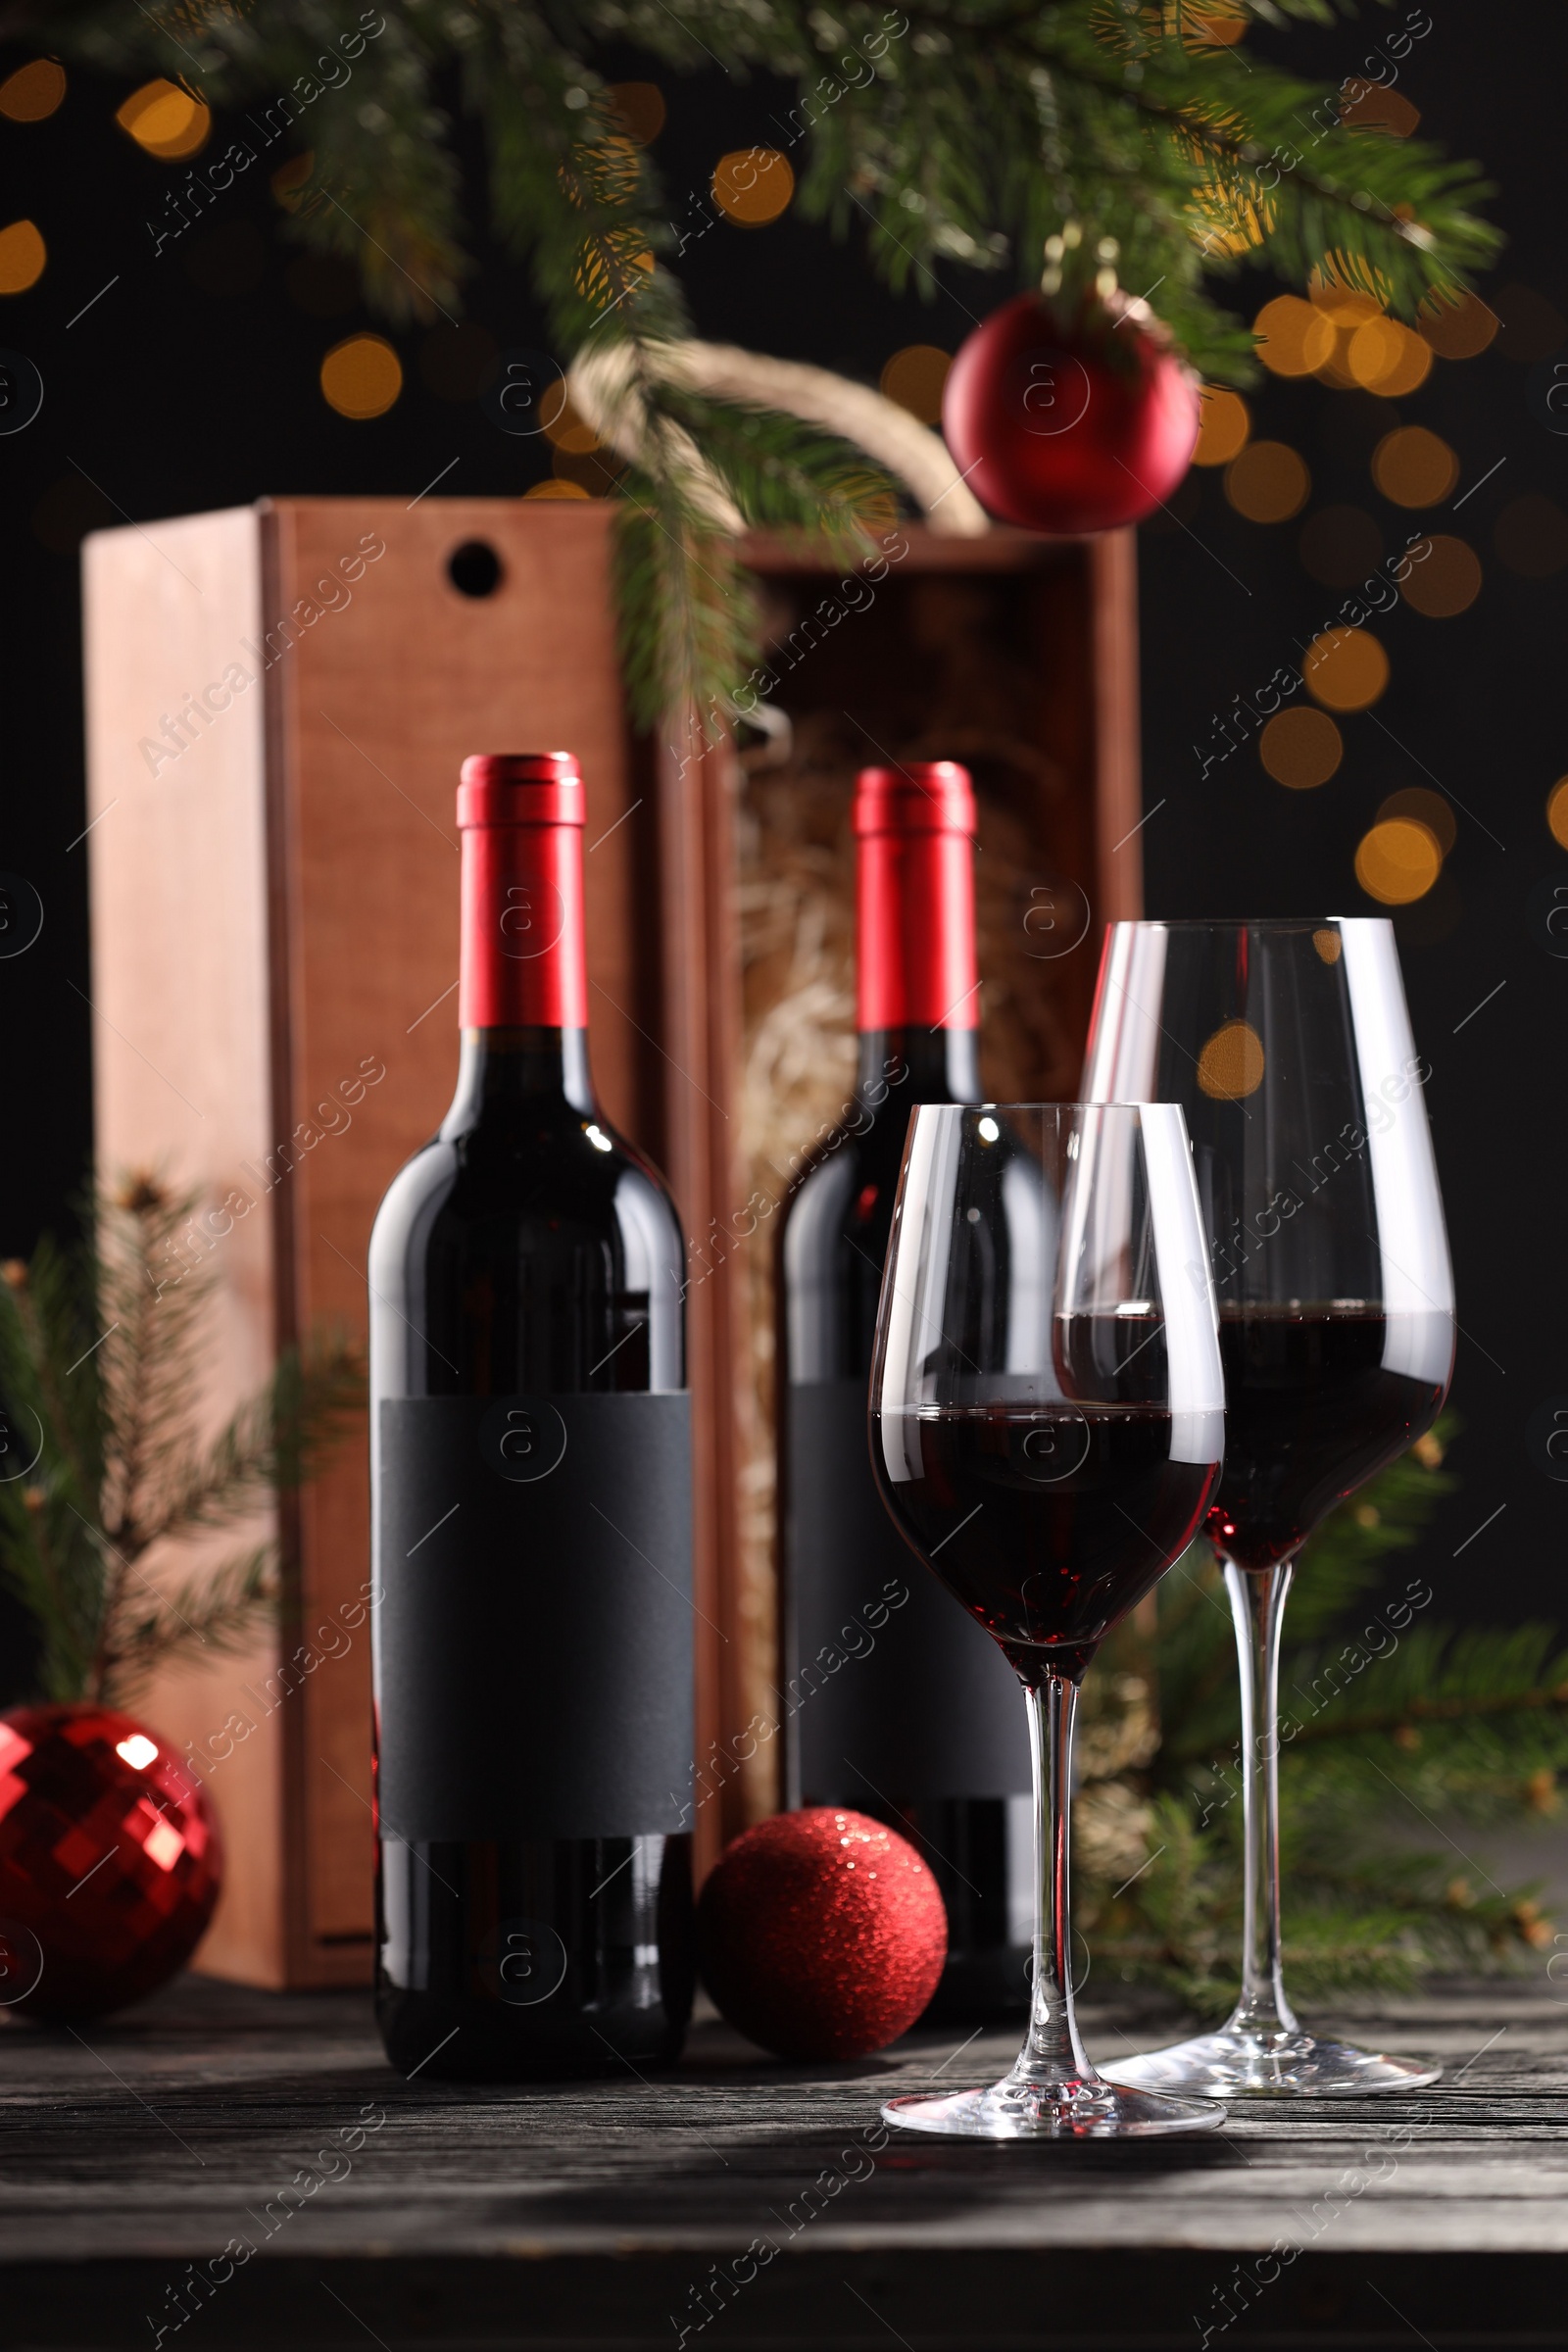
(223, 2168)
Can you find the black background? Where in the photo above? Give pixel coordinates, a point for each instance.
(191, 383)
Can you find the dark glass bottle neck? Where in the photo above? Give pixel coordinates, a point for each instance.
(918, 1065)
(501, 1069)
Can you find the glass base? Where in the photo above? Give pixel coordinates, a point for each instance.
(1242, 2064)
(1077, 2107)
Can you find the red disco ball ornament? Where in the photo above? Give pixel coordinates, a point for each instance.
(110, 1861)
(821, 1934)
(1074, 427)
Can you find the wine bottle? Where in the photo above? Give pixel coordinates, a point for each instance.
(897, 1703)
(532, 1489)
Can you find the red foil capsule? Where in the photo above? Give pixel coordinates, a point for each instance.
(520, 816)
(915, 826)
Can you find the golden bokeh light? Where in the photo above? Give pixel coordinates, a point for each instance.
(637, 107)
(362, 377)
(753, 185)
(602, 173)
(1414, 467)
(1224, 423)
(1231, 1064)
(1341, 546)
(1375, 108)
(1294, 338)
(1424, 808)
(611, 263)
(1347, 306)
(165, 120)
(915, 378)
(1397, 861)
(22, 255)
(1300, 747)
(1268, 482)
(1445, 582)
(565, 424)
(1346, 669)
(32, 92)
(1457, 331)
(1531, 536)
(556, 489)
(1329, 945)
(1209, 24)
(1386, 357)
(1557, 813)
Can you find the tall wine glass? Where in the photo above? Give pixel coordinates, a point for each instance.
(1289, 1046)
(1047, 1425)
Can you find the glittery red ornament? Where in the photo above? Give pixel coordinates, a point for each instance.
(1073, 428)
(110, 1861)
(821, 1934)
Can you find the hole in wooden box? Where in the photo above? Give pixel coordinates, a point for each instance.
(474, 568)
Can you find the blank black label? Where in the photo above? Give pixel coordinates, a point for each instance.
(924, 1706)
(533, 1619)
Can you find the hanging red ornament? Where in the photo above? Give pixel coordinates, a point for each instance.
(110, 1861)
(1071, 420)
(821, 1934)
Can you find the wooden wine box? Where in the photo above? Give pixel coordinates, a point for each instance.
(278, 699)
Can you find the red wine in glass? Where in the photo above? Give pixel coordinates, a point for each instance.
(1049, 1526)
(1316, 1407)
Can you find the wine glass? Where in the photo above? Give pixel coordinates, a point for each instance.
(1287, 1045)
(1047, 1426)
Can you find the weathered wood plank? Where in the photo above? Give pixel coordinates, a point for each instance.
(767, 2198)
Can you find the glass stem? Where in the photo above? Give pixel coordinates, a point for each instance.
(1258, 1607)
(1052, 2053)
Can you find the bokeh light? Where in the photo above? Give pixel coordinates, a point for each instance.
(637, 107)
(1329, 945)
(1457, 331)
(1531, 536)
(1397, 861)
(915, 378)
(1224, 423)
(1386, 357)
(1447, 581)
(1341, 546)
(1376, 108)
(362, 377)
(1268, 482)
(1414, 467)
(1346, 669)
(565, 424)
(32, 92)
(1427, 809)
(1231, 1064)
(611, 263)
(165, 120)
(604, 173)
(753, 185)
(22, 255)
(1557, 813)
(1300, 747)
(1209, 24)
(1294, 338)
(556, 489)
